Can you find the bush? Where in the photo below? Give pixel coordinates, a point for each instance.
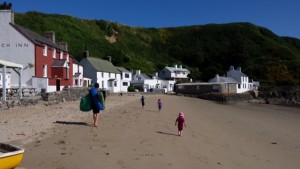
(130, 89)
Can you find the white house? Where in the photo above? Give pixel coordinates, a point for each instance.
(77, 74)
(125, 79)
(174, 73)
(242, 79)
(151, 82)
(236, 77)
(102, 72)
(143, 82)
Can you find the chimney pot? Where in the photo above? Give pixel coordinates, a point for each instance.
(50, 35)
(86, 54)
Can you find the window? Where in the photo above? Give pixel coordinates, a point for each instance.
(61, 55)
(76, 82)
(126, 75)
(125, 83)
(239, 86)
(109, 83)
(102, 84)
(54, 53)
(115, 83)
(102, 74)
(45, 49)
(68, 71)
(44, 70)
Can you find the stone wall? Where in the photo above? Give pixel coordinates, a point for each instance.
(223, 97)
(281, 95)
(201, 88)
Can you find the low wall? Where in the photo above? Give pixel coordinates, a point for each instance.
(223, 97)
(281, 95)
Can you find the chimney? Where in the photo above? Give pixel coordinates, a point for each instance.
(86, 54)
(7, 16)
(50, 35)
(217, 78)
(156, 74)
(109, 58)
(239, 69)
(231, 68)
(175, 66)
(138, 72)
(180, 66)
(63, 45)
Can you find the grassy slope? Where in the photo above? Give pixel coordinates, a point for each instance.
(205, 49)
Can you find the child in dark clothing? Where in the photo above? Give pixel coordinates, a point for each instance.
(142, 101)
(181, 122)
(159, 104)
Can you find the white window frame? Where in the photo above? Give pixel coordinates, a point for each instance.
(45, 50)
(61, 55)
(44, 70)
(54, 53)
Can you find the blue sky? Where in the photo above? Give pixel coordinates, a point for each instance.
(280, 16)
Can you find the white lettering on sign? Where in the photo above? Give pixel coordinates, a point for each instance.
(17, 45)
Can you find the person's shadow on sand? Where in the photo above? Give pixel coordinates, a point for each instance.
(171, 134)
(71, 123)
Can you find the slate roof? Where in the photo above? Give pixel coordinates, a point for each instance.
(173, 69)
(76, 74)
(121, 69)
(58, 63)
(36, 38)
(102, 65)
(223, 79)
(76, 62)
(239, 73)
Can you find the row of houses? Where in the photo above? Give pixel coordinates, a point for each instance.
(45, 65)
(235, 81)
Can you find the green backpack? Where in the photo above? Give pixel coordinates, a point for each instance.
(85, 103)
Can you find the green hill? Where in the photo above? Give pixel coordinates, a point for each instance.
(204, 49)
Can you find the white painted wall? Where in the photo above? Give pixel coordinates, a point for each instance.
(125, 81)
(7, 80)
(78, 69)
(244, 84)
(14, 47)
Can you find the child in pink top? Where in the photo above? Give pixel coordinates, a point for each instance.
(181, 122)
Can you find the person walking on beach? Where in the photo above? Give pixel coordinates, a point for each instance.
(181, 122)
(159, 104)
(143, 101)
(96, 102)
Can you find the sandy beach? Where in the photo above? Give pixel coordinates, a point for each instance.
(234, 136)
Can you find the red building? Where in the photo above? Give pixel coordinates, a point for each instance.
(47, 64)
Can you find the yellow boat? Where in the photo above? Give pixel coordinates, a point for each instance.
(10, 156)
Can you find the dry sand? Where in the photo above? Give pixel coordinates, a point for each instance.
(233, 136)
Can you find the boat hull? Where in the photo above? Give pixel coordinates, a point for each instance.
(10, 156)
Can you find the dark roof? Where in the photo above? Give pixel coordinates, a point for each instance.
(76, 74)
(145, 76)
(223, 79)
(36, 38)
(76, 62)
(121, 69)
(102, 65)
(58, 63)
